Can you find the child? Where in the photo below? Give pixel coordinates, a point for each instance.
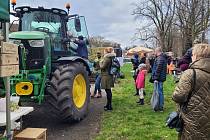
(140, 82)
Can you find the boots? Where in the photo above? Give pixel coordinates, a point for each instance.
(98, 95)
(141, 102)
(109, 100)
(92, 95)
(108, 107)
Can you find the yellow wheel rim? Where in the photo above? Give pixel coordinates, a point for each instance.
(79, 91)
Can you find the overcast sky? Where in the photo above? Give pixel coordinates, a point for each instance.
(111, 19)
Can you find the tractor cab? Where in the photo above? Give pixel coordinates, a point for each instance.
(61, 28)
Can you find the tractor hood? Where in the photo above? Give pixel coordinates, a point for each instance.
(29, 35)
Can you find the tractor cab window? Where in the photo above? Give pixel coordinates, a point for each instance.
(72, 31)
(41, 21)
(45, 22)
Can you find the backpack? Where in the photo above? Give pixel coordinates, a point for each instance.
(115, 66)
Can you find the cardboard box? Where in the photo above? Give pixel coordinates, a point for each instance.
(9, 70)
(9, 59)
(32, 134)
(8, 48)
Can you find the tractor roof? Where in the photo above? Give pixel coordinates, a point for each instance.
(30, 35)
(27, 9)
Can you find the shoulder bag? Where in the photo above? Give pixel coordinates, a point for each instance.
(174, 120)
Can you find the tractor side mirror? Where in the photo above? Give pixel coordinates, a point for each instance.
(77, 24)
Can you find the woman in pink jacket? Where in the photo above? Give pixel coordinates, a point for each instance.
(140, 82)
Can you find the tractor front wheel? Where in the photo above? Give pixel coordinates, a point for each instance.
(70, 92)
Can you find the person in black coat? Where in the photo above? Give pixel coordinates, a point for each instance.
(159, 72)
(135, 61)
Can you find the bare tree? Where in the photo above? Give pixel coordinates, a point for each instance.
(97, 41)
(192, 18)
(158, 14)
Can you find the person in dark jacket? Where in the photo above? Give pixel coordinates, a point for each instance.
(159, 71)
(184, 63)
(151, 60)
(143, 58)
(82, 50)
(107, 81)
(135, 61)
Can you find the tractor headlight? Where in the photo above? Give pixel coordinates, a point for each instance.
(36, 43)
(14, 41)
(25, 9)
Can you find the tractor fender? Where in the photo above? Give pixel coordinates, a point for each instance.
(65, 60)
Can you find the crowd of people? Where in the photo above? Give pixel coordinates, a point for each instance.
(157, 65)
(192, 90)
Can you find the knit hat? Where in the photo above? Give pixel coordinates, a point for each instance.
(142, 66)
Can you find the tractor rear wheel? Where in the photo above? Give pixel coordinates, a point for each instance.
(70, 92)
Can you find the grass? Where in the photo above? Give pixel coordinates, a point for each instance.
(129, 121)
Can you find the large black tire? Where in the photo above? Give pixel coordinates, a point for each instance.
(60, 92)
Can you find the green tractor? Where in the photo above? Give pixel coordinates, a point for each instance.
(50, 69)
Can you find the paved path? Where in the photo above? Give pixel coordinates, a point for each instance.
(84, 130)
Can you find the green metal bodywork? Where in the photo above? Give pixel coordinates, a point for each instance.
(28, 35)
(54, 37)
(4, 10)
(37, 77)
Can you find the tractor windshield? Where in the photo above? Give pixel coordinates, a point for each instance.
(41, 21)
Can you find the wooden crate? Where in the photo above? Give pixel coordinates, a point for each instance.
(8, 48)
(9, 70)
(9, 59)
(32, 134)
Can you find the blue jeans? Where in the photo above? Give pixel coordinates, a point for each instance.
(161, 96)
(97, 84)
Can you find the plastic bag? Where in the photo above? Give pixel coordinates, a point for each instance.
(14, 100)
(155, 98)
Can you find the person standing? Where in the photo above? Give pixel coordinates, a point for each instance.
(159, 71)
(106, 78)
(151, 60)
(135, 61)
(193, 88)
(82, 50)
(184, 63)
(97, 90)
(140, 82)
(143, 58)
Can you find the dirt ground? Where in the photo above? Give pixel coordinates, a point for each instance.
(85, 130)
